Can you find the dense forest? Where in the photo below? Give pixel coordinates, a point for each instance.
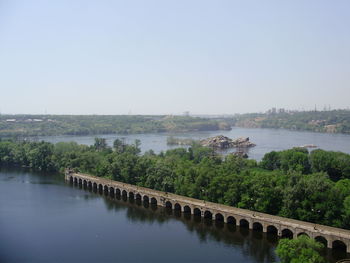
(335, 121)
(294, 183)
(44, 125)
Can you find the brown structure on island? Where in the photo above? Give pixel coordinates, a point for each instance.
(284, 227)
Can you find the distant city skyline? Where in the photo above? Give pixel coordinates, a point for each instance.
(162, 57)
(187, 113)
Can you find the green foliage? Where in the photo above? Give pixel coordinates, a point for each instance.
(346, 215)
(100, 144)
(336, 164)
(286, 186)
(262, 192)
(300, 250)
(271, 161)
(310, 198)
(292, 160)
(295, 160)
(43, 125)
(319, 121)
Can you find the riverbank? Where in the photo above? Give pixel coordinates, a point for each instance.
(285, 183)
(141, 227)
(283, 227)
(327, 121)
(49, 125)
(266, 140)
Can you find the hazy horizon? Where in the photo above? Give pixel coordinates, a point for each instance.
(180, 114)
(160, 58)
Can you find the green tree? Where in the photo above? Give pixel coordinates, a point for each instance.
(40, 156)
(300, 250)
(307, 197)
(271, 161)
(336, 164)
(100, 144)
(296, 159)
(346, 215)
(119, 145)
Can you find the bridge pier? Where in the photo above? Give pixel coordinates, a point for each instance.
(334, 237)
(264, 229)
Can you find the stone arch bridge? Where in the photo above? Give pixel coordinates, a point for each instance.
(283, 227)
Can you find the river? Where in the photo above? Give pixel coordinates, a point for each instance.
(44, 219)
(266, 140)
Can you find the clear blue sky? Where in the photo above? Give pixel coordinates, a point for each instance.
(167, 57)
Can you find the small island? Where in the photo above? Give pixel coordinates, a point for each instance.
(217, 142)
(223, 142)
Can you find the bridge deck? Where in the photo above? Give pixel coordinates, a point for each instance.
(343, 234)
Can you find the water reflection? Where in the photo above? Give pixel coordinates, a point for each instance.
(46, 201)
(266, 140)
(254, 244)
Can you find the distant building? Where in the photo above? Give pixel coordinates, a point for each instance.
(11, 120)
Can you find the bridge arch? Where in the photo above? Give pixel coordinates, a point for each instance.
(287, 233)
(257, 226)
(219, 217)
(168, 204)
(111, 191)
(153, 201)
(138, 196)
(208, 214)
(177, 207)
(243, 223)
(105, 189)
(187, 209)
(272, 229)
(197, 212)
(124, 193)
(231, 220)
(146, 198)
(338, 244)
(322, 240)
(328, 236)
(131, 195)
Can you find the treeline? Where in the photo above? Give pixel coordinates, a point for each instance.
(46, 125)
(335, 121)
(314, 186)
(180, 141)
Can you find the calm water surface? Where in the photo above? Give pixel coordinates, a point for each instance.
(43, 219)
(266, 140)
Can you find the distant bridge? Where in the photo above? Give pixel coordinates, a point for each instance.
(284, 227)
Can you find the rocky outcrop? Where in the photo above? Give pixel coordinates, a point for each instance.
(223, 142)
(243, 143)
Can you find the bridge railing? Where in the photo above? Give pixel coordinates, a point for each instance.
(292, 223)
